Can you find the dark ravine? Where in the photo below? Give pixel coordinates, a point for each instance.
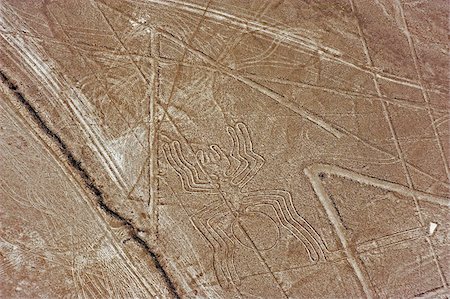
(88, 180)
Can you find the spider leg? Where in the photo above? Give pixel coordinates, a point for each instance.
(228, 261)
(192, 169)
(281, 202)
(202, 222)
(249, 161)
(220, 155)
(187, 176)
(255, 160)
(236, 154)
(203, 162)
(299, 220)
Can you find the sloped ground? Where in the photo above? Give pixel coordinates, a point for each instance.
(222, 149)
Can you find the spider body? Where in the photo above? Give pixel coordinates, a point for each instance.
(236, 211)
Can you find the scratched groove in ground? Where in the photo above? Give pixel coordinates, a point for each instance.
(274, 149)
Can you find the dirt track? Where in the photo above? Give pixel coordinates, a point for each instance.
(224, 149)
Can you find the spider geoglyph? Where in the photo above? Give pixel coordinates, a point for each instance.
(235, 212)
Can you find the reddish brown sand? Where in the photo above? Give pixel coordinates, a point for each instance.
(224, 149)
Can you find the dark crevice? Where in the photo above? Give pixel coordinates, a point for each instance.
(157, 263)
(88, 180)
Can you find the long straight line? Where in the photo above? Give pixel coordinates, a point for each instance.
(422, 87)
(152, 133)
(397, 144)
(87, 179)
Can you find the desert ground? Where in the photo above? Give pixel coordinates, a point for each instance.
(224, 149)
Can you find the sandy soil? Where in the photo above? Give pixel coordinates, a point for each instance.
(224, 149)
